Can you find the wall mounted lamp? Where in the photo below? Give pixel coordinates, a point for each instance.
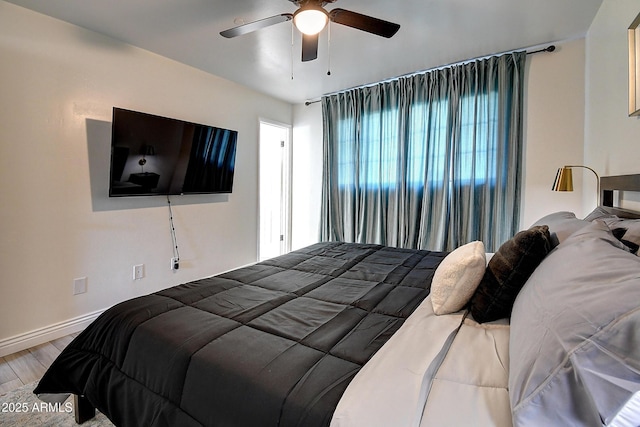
(564, 179)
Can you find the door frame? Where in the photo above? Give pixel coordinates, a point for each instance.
(286, 190)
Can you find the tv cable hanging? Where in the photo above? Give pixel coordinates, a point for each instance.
(175, 260)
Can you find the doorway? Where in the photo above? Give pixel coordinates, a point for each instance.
(275, 190)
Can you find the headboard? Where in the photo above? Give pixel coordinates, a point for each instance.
(609, 184)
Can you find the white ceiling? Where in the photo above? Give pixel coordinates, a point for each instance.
(432, 33)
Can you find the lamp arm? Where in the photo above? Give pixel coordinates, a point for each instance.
(597, 178)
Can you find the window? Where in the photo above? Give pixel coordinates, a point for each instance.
(433, 153)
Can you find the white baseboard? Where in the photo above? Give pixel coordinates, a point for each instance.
(42, 335)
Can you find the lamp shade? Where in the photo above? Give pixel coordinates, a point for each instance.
(310, 20)
(564, 180)
(147, 150)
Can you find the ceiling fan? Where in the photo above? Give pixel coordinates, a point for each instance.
(311, 18)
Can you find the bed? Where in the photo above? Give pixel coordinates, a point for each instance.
(544, 332)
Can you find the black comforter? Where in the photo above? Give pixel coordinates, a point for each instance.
(272, 344)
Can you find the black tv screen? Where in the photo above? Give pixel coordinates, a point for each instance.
(153, 155)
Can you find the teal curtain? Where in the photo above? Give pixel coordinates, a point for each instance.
(429, 161)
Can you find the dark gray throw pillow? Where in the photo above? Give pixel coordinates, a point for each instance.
(632, 227)
(619, 233)
(507, 272)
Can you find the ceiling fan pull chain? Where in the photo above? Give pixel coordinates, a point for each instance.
(292, 31)
(329, 48)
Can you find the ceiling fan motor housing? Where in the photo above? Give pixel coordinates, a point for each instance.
(320, 3)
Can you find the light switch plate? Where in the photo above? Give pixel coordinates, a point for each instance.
(138, 271)
(79, 285)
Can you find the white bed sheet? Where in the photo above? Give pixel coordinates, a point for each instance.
(435, 371)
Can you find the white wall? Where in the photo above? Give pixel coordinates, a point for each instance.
(58, 85)
(554, 136)
(306, 174)
(554, 130)
(612, 144)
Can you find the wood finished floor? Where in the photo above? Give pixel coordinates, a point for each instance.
(27, 366)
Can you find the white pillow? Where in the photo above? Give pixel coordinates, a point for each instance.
(457, 277)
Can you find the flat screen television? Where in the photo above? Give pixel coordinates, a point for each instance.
(153, 155)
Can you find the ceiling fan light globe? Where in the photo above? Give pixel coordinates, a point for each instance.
(310, 21)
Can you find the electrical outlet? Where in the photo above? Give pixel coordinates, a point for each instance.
(79, 285)
(175, 263)
(138, 271)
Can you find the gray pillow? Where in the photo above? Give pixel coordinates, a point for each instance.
(575, 334)
(561, 225)
(598, 213)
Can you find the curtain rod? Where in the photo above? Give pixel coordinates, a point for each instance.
(549, 49)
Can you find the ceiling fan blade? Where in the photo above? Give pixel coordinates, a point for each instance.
(363, 22)
(256, 25)
(309, 47)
